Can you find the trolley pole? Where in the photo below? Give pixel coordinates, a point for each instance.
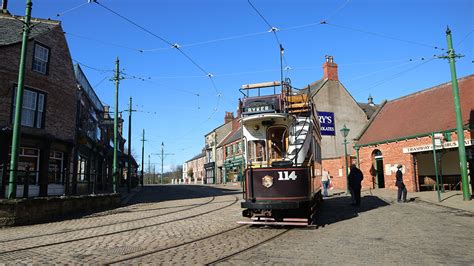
(117, 81)
(19, 104)
(459, 127)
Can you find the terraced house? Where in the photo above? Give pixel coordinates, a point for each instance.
(49, 103)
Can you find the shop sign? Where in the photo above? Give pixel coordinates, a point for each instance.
(326, 121)
(429, 147)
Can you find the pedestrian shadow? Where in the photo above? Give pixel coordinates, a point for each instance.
(153, 194)
(337, 209)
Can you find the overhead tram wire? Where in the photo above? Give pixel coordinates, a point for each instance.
(93, 68)
(324, 22)
(385, 69)
(274, 31)
(102, 42)
(73, 8)
(465, 37)
(376, 84)
(175, 45)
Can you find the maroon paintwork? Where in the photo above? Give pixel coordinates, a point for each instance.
(298, 189)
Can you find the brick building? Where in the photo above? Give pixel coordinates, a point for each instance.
(195, 169)
(49, 102)
(336, 107)
(403, 132)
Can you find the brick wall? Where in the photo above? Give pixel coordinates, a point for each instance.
(393, 155)
(59, 84)
(337, 170)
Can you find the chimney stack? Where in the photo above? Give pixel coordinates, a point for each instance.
(229, 116)
(330, 68)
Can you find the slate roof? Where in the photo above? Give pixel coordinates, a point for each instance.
(368, 109)
(202, 154)
(11, 28)
(423, 112)
(236, 135)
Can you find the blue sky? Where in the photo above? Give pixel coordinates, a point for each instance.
(383, 48)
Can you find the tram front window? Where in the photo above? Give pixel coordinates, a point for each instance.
(277, 142)
(256, 151)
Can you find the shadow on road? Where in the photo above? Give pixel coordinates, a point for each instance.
(338, 208)
(150, 194)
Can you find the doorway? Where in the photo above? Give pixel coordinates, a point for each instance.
(378, 165)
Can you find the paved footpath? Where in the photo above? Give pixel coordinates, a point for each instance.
(196, 225)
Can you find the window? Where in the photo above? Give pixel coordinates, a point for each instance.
(277, 142)
(40, 59)
(32, 113)
(81, 168)
(256, 151)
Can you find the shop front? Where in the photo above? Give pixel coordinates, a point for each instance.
(234, 167)
(440, 165)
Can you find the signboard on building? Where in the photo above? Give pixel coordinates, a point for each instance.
(429, 147)
(326, 121)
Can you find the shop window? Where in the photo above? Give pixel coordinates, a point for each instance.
(277, 142)
(32, 112)
(256, 151)
(56, 164)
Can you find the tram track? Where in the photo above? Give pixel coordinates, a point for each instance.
(232, 233)
(109, 224)
(236, 199)
(226, 258)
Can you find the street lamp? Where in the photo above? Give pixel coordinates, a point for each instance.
(345, 132)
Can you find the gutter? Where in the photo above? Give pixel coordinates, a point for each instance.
(467, 127)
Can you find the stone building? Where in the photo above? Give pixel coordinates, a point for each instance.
(49, 103)
(406, 129)
(336, 107)
(215, 162)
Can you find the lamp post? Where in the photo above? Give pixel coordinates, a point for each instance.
(345, 132)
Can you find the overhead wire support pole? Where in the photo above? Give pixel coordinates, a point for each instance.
(19, 104)
(129, 167)
(115, 162)
(163, 155)
(457, 108)
(143, 154)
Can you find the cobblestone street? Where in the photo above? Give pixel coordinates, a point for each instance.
(197, 225)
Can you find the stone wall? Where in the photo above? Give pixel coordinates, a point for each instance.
(40, 210)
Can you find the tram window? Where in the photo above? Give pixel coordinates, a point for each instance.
(277, 142)
(257, 150)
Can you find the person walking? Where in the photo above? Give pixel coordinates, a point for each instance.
(325, 179)
(402, 190)
(355, 183)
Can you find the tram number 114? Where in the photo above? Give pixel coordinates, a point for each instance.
(283, 175)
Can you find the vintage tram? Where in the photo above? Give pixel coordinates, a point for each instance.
(282, 139)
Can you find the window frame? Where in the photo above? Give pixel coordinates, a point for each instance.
(43, 112)
(35, 44)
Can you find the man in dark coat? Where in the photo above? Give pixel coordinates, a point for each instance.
(355, 183)
(402, 190)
